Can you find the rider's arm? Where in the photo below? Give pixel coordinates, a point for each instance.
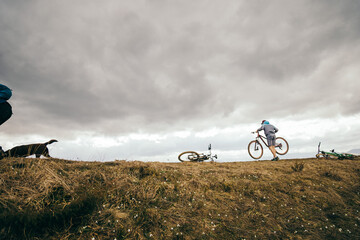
(260, 129)
(276, 130)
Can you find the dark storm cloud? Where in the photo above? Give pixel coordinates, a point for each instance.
(116, 67)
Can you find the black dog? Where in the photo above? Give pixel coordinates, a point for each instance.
(27, 150)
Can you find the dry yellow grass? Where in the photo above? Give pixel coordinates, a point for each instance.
(288, 199)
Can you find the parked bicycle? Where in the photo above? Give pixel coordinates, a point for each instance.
(192, 156)
(256, 150)
(334, 155)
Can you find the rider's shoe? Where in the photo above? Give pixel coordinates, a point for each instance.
(275, 159)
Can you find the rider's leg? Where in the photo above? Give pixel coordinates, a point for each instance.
(273, 151)
(271, 143)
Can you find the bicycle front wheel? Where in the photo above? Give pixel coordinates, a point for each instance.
(188, 156)
(255, 149)
(282, 146)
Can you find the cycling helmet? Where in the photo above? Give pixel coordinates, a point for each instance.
(265, 122)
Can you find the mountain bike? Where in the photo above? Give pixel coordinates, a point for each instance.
(192, 156)
(334, 155)
(256, 150)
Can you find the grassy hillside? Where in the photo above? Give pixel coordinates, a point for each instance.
(288, 199)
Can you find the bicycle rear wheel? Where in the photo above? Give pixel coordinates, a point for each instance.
(188, 156)
(282, 146)
(255, 149)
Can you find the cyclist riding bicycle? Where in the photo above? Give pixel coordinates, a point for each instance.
(270, 131)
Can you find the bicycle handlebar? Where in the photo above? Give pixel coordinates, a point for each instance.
(258, 134)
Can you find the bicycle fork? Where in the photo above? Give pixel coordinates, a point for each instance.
(256, 146)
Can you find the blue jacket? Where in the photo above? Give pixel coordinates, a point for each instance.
(5, 93)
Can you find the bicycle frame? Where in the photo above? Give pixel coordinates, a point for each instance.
(259, 136)
(203, 157)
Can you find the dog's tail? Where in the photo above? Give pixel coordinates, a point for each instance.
(51, 141)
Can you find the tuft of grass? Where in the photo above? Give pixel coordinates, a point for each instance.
(332, 175)
(298, 167)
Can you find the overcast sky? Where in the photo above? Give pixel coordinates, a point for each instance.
(146, 80)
